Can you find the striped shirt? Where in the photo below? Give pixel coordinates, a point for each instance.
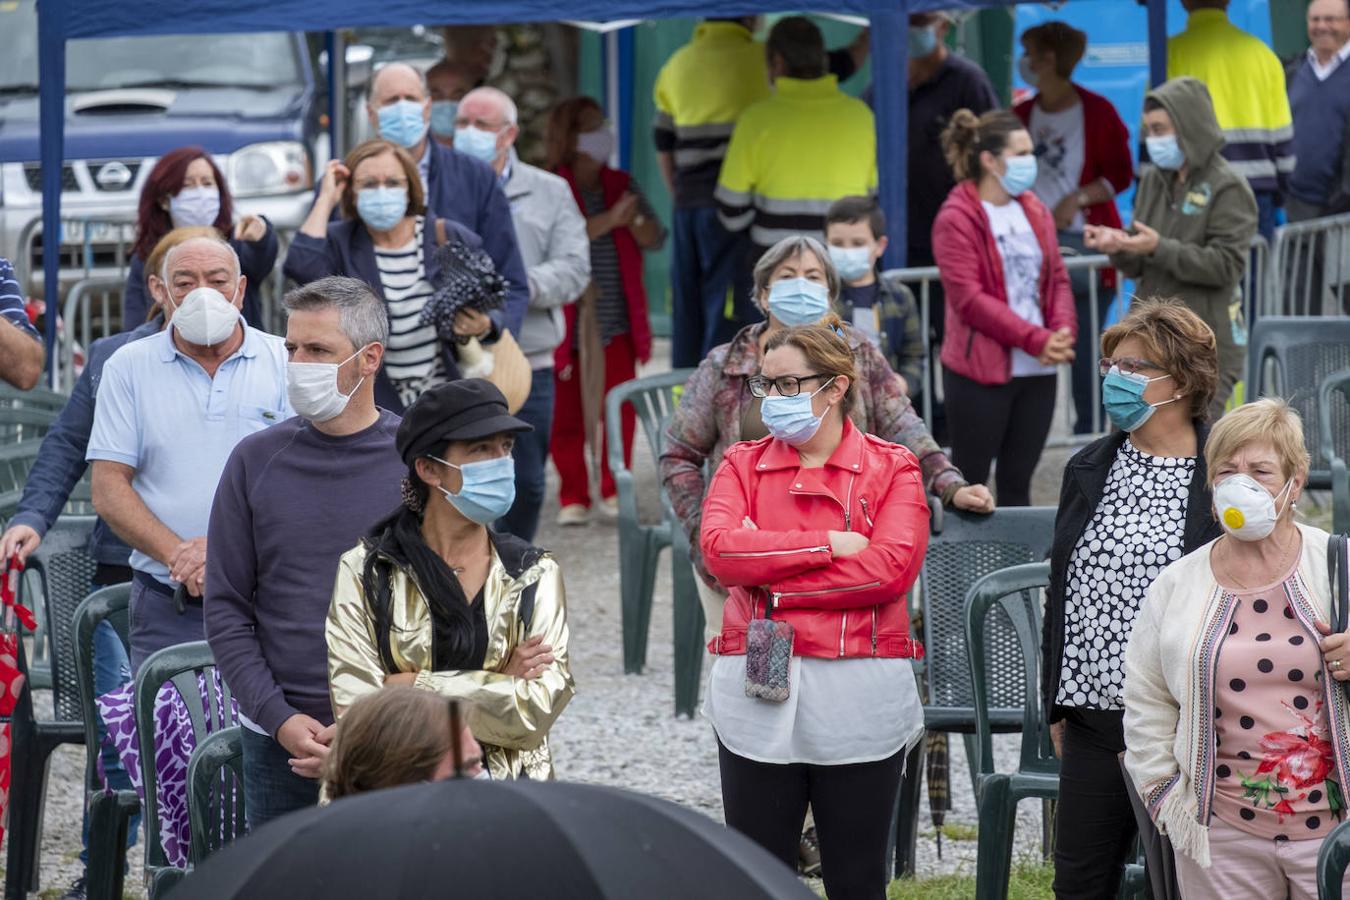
(11, 300)
(611, 308)
(412, 356)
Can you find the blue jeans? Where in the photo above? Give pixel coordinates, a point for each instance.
(1265, 214)
(531, 455)
(271, 789)
(706, 263)
(112, 669)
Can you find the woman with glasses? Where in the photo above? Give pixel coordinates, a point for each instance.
(1131, 503)
(387, 237)
(819, 531)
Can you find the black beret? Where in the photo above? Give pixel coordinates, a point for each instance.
(463, 410)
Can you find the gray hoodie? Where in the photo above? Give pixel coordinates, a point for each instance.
(1205, 222)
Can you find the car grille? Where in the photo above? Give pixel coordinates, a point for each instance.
(33, 173)
(70, 183)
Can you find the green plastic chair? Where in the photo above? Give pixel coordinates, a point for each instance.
(110, 811)
(688, 623)
(215, 779)
(16, 460)
(1009, 597)
(1332, 861)
(37, 398)
(56, 579)
(1333, 405)
(653, 399)
(24, 423)
(181, 665)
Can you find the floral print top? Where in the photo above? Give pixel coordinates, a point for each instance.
(1274, 766)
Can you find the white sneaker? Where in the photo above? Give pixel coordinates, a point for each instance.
(574, 514)
(609, 507)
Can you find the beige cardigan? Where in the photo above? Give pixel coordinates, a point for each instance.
(1169, 686)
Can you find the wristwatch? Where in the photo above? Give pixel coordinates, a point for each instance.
(1083, 199)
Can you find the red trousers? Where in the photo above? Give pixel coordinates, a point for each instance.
(568, 440)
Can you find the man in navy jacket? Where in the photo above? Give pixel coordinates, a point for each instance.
(457, 187)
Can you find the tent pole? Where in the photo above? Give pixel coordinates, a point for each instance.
(609, 70)
(335, 42)
(890, 67)
(52, 124)
(1157, 42)
(626, 39)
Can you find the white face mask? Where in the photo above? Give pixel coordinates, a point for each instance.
(313, 390)
(205, 317)
(1246, 509)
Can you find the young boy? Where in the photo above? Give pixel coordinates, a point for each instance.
(855, 230)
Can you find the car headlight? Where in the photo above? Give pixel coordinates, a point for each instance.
(274, 167)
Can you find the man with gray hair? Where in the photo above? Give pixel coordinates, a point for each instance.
(170, 409)
(551, 233)
(291, 501)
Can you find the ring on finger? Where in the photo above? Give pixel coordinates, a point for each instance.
(1337, 664)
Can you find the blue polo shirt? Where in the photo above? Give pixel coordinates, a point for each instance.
(160, 413)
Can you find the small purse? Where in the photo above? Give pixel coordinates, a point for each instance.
(768, 658)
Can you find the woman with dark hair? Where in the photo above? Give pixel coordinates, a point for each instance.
(1009, 310)
(621, 225)
(433, 599)
(186, 188)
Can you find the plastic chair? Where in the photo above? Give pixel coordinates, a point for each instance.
(215, 778)
(688, 623)
(181, 665)
(37, 398)
(57, 577)
(1290, 357)
(1332, 861)
(653, 399)
(1333, 404)
(110, 811)
(965, 547)
(16, 460)
(1010, 598)
(23, 423)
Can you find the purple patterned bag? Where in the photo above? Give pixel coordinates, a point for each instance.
(768, 659)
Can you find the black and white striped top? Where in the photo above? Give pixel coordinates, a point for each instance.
(413, 354)
(612, 304)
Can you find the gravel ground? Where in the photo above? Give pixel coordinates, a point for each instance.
(620, 729)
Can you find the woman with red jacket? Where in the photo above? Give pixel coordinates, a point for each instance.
(1010, 318)
(621, 225)
(1083, 161)
(818, 531)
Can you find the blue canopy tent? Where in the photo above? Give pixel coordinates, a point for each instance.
(62, 20)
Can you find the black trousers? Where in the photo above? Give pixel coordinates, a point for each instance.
(1008, 422)
(852, 804)
(1094, 823)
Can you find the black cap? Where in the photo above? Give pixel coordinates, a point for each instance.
(455, 411)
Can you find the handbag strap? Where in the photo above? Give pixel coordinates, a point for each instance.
(1338, 577)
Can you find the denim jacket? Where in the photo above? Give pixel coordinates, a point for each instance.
(60, 463)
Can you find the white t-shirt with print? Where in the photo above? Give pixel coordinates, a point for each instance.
(1059, 140)
(1022, 257)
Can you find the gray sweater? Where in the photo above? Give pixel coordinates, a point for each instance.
(290, 502)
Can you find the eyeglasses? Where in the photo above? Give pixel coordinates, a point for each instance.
(367, 184)
(1128, 365)
(787, 385)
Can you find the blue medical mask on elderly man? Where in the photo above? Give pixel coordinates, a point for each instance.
(402, 123)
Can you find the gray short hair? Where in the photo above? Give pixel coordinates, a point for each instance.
(362, 312)
(501, 98)
(790, 248)
(219, 243)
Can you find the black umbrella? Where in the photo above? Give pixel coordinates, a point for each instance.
(468, 838)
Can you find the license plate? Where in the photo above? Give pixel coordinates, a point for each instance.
(75, 231)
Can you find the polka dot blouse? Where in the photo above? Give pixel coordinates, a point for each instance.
(1274, 767)
(1137, 529)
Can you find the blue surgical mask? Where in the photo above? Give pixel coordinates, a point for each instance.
(1123, 397)
(1165, 151)
(1020, 174)
(443, 114)
(488, 489)
(798, 301)
(383, 207)
(402, 123)
(477, 143)
(852, 262)
(922, 41)
(791, 419)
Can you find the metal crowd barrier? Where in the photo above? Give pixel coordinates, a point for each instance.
(93, 309)
(1310, 269)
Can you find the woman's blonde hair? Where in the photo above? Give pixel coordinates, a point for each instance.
(397, 735)
(826, 351)
(154, 263)
(1178, 341)
(1270, 420)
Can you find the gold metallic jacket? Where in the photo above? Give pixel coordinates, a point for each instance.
(509, 716)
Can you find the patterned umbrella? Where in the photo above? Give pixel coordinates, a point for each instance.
(465, 279)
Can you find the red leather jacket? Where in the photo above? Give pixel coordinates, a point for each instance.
(838, 606)
(981, 326)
